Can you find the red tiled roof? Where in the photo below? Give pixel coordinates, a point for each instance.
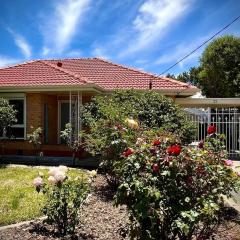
(102, 73)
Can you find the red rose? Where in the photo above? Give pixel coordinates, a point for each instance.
(174, 150)
(155, 167)
(211, 129)
(201, 144)
(156, 142)
(128, 152)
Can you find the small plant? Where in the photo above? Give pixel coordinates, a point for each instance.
(64, 197)
(73, 142)
(174, 191)
(35, 138)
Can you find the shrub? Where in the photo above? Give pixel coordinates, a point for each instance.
(64, 197)
(7, 119)
(114, 122)
(174, 191)
(35, 138)
(150, 108)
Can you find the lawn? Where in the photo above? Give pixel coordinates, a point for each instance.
(18, 199)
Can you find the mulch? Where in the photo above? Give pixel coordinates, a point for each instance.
(101, 220)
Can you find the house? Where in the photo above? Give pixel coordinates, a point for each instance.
(48, 93)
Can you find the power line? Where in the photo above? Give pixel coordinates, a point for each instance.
(237, 18)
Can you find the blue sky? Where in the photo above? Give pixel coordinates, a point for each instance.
(147, 34)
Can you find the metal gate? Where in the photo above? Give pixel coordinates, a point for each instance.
(227, 122)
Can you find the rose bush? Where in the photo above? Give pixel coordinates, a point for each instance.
(64, 197)
(115, 121)
(174, 191)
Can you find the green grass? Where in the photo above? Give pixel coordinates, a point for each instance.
(19, 200)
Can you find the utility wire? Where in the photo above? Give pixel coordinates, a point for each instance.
(222, 29)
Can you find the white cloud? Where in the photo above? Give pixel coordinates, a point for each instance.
(153, 20)
(59, 28)
(21, 43)
(6, 61)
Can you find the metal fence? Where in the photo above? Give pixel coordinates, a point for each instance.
(227, 122)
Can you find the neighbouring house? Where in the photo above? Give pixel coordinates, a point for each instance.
(49, 93)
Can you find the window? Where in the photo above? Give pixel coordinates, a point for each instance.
(17, 131)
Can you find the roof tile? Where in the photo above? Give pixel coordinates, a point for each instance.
(82, 71)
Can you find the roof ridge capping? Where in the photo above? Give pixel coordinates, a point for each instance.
(147, 73)
(62, 69)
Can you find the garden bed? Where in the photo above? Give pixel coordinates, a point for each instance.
(101, 220)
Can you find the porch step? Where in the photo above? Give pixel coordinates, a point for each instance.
(90, 162)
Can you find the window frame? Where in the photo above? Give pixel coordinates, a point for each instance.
(18, 96)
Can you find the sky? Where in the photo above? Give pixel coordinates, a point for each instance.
(147, 34)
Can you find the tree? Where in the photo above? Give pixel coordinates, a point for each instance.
(218, 74)
(191, 76)
(169, 75)
(220, 68)
(7, 118)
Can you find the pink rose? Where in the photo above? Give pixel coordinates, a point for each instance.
(228, 162)
(38, 182)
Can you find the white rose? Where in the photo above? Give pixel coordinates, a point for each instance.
(51, 180)
(59, 176)
(63, 168)
(38, 182)
(132, 123)
(52, 171)
(93, 173)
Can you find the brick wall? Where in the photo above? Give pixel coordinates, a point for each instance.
(35, 118)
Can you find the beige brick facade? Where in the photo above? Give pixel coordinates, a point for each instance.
(35, 118)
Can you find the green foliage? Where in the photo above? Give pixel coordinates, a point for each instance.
(35, 138)
(7, 115)
(111, 127)
(174, 192)
(73, 141)
(191, 76)
(218, 74)
(150, 108)
(220, 68)
(64, 197)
